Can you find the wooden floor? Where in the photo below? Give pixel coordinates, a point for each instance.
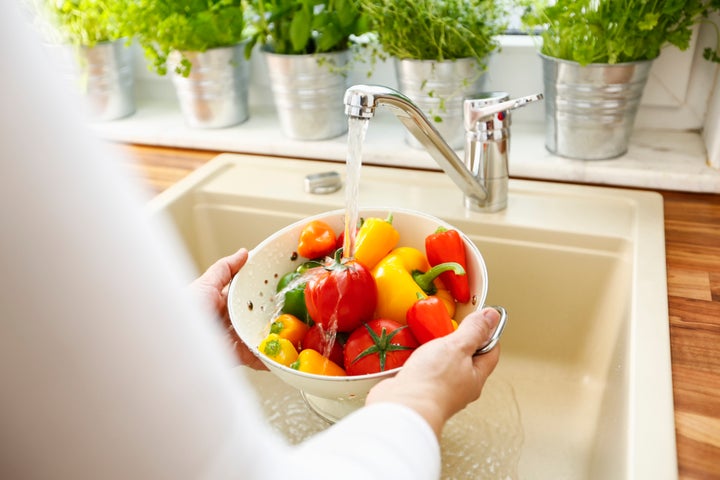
(692, 233)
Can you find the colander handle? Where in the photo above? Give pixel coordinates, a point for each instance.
(496, 334)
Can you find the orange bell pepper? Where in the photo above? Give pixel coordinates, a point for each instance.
(446, 297)
(317, 240)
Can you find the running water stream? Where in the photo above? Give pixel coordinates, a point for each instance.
(357, 129)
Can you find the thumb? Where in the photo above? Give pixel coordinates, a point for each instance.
(475, 330)
(221, 272)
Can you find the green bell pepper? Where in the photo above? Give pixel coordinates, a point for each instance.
(294, 301)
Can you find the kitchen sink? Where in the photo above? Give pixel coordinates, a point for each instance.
(583, 388)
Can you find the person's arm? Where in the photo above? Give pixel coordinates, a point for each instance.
(109, 369)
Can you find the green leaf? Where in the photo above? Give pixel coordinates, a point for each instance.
(649, 21)
(331, 36)
(346, 13)
(300, 30)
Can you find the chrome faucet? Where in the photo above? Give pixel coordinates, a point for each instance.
(483, 177)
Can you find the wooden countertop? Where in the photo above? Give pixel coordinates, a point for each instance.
(692, 240)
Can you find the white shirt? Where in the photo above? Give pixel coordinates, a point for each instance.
(107, 368)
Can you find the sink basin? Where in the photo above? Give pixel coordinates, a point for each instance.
(583, 388)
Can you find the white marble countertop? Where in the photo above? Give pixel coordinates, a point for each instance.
(666, 160)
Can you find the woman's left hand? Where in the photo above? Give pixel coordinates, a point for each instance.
(212, 288)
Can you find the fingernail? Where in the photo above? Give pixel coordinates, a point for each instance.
(491, 316)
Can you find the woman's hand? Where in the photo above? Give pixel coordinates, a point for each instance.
(212, 288)
(442, 376)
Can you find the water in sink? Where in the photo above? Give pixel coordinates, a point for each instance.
(482, 442)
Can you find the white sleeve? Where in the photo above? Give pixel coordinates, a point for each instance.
(108, 370)
(379, 441)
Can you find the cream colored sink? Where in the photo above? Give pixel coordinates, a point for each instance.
(583, 388)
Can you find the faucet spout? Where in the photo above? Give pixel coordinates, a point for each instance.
(361, 102)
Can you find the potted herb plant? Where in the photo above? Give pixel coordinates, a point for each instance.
(201, 44)
(306, 46)
(89, 38)
(596, 58)
(440, 50)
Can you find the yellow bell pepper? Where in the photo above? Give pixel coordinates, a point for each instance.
(375, 239)
(279, 349)
(312, 361)
(403, 276)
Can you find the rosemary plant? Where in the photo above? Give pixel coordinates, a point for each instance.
(437, 29)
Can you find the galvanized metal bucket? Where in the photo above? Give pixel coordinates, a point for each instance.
(104, 76)
(308, 92)
(438, 89)
(215, 93)
(590, 110)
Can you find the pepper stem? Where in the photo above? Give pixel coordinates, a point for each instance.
(425, 280)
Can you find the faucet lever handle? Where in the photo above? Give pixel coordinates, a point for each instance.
(482, 109)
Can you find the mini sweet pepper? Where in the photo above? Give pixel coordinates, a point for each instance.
(447, 246)
(317, 240)
(312, 361)
(375, 239)
(428, 319)
(279, 349)
(290, 327)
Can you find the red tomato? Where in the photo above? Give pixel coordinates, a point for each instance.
(318, 339)
(343, 296)
(377, 346)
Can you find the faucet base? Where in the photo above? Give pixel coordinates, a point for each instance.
(494, 203)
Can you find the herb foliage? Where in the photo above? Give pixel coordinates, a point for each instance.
(162, 26)
(437, 29)
(83, 22)
(296, 27)
(616, 31)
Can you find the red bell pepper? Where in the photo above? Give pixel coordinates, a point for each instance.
(447, 246)
(428, 319)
